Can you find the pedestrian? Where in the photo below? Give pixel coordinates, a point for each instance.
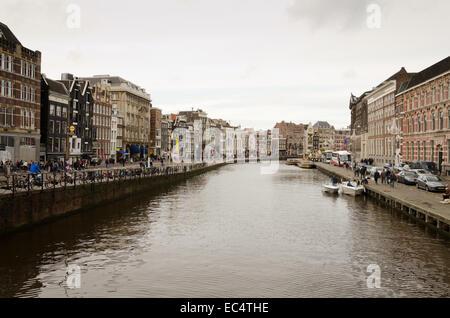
(376, 176)
(388, 176)
(446, 195)
(383, 176)
(393, 178)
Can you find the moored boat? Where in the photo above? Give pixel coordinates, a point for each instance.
(353, 190)
(330, 188)
(307, 165)
(293, 161)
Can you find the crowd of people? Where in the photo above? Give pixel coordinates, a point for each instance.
(58, 166)
(385, 176)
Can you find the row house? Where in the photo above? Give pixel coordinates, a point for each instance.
(155, 131)
(293, 135)
(102, 116)
(359, 128)
(341, 139)
(133, 105)
(55, 105)
(424, 101)
(384, 120)
(165, 134)
(325, 133)
(81, 123)
(20, 85)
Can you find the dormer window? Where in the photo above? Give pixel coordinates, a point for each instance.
(1, 35)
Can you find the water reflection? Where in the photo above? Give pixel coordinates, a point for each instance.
(230, 233)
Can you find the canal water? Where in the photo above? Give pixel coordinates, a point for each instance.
(232, 232)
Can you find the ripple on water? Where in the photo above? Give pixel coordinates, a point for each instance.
(230, 233)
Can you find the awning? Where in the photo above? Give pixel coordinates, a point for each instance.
(135, 150)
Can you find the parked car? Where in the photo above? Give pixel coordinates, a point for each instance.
(407, 177)
(425, 165)
(430, 182)
(421, 171)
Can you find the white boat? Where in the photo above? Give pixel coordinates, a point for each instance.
(353, 191)
(330, 188)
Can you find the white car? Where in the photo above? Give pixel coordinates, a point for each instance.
(420, 172)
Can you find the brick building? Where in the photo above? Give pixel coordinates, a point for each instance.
(384, 120)
(155, 131)
(20, 85)
(359, 126)
(424, 101)
(293, 135)
(341, 139)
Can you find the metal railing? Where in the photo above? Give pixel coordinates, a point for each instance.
(16, 183)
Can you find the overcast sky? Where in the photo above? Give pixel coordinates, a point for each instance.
(252, 62)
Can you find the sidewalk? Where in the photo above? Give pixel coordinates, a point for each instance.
(426, 201)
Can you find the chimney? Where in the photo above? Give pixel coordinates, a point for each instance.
(66, 77)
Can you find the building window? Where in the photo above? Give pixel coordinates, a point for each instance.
(58, 111)
(10, 89)
(424, 122)
(2, 116)
(10, 63)
(3, 61)
(50, 144)
(51, 126)
(56, 147)
(407, 151)
(448, 150)
(424, 150)
(418, 150)
(448, 120)
(433, 122)
(52, 110)
(10, 117)
(418, 124)
(63, 145)
(441, 120)
(432, 150)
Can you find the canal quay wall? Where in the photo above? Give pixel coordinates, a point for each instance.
(28, 208)
(418, 204)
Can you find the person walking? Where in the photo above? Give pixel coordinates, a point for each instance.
(388, 176)
(376, 176)
(383, 176)
(393, 178)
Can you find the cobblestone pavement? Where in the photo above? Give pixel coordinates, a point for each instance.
(426, 200)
